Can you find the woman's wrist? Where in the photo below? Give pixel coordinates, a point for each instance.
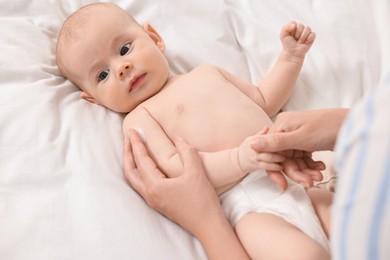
(339, 116)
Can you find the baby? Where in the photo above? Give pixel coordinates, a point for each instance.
(119, 64)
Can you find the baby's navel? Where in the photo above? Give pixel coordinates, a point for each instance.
(179, 108)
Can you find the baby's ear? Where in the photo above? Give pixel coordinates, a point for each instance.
(86, 96)
(158, 40)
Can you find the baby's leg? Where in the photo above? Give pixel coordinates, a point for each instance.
(322, 201)
(266, 236)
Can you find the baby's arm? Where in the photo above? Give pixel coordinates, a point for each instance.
(275, 89)
(225, 168)
(277, 86)
(222, 167)
(160, 147)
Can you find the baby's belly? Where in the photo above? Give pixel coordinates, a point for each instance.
(215, 128)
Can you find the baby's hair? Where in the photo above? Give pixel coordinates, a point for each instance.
(70, 32)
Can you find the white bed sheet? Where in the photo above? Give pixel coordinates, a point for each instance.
(62, 191)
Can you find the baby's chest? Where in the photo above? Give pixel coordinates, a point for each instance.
(207, 112)
(200, 99)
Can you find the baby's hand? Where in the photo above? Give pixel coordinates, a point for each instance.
(297, 39)
(249, 160)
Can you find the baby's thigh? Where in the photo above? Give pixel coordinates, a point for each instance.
(266, 236)
(322, 201)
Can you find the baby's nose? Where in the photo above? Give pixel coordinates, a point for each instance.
(123, 71)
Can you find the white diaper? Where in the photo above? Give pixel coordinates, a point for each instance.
(257, 193)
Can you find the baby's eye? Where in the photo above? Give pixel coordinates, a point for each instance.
(103, 75)
(125, 49)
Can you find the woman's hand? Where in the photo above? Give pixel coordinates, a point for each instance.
(184, 199)
(296, 134)
(189, 199)
(310, 131)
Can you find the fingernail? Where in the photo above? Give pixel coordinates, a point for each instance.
(282, 187)
(141, 133)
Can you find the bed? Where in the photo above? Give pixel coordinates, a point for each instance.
(62, 190)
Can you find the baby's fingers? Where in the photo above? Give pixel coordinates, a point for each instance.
(270, 157)
(299, 31)
(307, 36)
(269, 166)
(288, 30)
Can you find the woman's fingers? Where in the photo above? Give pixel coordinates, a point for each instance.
(293, 171)
(278, 178)
(131, 171)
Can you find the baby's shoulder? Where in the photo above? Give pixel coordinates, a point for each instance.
(201, 73)
(136, 118)
(206, 68)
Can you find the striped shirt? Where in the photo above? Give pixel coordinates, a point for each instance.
(361, 210)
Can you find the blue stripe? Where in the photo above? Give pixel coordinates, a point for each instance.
(356, 180)
(376, 222)
(343, 147)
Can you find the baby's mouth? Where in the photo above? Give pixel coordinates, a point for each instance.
(136, 82)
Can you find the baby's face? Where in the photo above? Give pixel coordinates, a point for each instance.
(116, 62)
